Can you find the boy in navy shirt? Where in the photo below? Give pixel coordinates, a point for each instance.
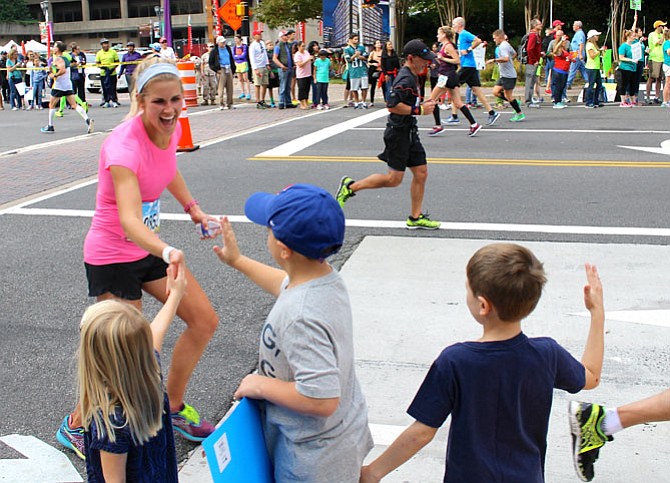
(499, 388)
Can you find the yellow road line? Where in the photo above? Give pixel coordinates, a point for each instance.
(478, 161)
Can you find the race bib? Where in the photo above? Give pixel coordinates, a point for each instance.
(151, 215)
(442, 81)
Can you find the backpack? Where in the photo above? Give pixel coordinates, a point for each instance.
(522, 51)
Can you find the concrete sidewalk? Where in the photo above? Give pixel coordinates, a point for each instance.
(408, 308)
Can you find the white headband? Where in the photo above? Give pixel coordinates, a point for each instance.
(153, 70)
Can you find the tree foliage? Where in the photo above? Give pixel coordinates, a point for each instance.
(450, 9)
(14, 11)
(277, 13)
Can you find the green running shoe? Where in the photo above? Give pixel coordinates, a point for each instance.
(587, 436)
(188, 423)
(344, 192)
(518, 117)
(423, 222)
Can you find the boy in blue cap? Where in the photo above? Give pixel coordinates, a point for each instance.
(314, 413)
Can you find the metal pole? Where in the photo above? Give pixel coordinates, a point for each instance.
(501, 14)
(360, 23)
(393, 31)
(551, 12)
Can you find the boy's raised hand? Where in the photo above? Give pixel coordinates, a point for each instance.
(593, 290)
(228, 252)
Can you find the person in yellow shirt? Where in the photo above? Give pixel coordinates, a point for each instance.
(655, 61)
(107, 60)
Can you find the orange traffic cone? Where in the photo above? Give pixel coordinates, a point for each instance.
(186, 141)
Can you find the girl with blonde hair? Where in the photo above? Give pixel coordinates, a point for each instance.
(124, 409)
(123, 253)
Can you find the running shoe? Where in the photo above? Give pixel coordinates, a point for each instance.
(273, 105)
(59, 114)
(190, 425)
(89, 125)
(260, 105)
(559, 105)
(452, 121)
(589, 106)
(248, 97)
(241, 96)
(474, 130)
(587, 436)
(343, 191)
(423, 222)
(533, 105)
(48, 130)
(437, 131)
(72, 438)
(518, 117)
(492, 118)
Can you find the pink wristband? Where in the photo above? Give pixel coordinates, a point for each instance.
(190, 205)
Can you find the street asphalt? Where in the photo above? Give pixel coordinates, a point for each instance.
(561, 182)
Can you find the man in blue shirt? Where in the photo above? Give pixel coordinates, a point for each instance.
(469, 74)
(577, 45)
(131, 56)
(221, 62)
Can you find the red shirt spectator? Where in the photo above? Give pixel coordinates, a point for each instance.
(534, 47)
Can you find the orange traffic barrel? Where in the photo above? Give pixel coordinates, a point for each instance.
(187, 76)
(186, 140)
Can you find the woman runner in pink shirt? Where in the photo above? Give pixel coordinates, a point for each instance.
(123, 253)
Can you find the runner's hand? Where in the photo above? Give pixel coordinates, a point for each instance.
(176, 282)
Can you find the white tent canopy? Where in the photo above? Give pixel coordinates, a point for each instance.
(35, 46)
(8, 46)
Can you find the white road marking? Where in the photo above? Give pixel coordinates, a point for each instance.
(664, 149)
(385, 434)
(657, 317)
(49, 144)
(298, 144)
(451, 226)
(43, 463)
(563, 131)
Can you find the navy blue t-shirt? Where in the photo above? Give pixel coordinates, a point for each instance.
(153, 461)
(499, 396)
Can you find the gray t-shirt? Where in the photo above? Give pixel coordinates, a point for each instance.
(308, 338)
(507, 68)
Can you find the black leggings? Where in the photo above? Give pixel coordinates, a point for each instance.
(304, 85)
(628, 78)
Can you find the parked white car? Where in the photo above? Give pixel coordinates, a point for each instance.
(92, 82)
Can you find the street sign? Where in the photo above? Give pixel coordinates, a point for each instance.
(636, 4)
(42, 462)
(228, 12)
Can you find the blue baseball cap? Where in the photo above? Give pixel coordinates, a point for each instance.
(306, 218)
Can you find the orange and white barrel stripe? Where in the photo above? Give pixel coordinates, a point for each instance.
(187, 76)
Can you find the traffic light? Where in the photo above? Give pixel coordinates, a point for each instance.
(241, 9)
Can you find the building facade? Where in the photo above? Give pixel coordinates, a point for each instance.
(87, 21)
